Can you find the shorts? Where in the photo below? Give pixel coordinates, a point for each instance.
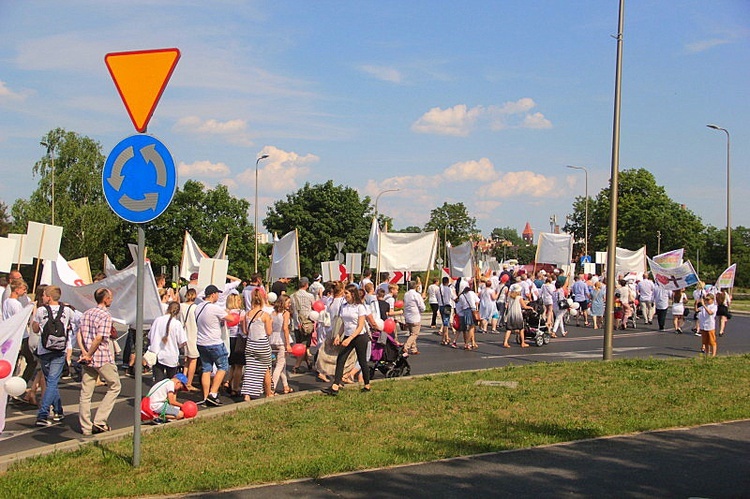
(211, 355)
(708, 337)
(445, 315)
(584, 305)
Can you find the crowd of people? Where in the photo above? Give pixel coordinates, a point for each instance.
(237, 339)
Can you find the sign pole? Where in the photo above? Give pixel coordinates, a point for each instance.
(138, 348)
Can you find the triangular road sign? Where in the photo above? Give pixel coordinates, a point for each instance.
(141, 77)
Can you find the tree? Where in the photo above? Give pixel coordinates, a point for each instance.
(453, 223)
(324, 214)
(643, 209)
(507, 234)
(4, 220)
(90, 226)
(209, 215)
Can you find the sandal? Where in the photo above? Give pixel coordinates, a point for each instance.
(288, 390)
(295, 370)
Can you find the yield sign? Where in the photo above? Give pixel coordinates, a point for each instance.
(140, 78)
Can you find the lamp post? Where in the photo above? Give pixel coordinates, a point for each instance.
(50, 149)
(378, 198)
(256, 210)
(586, 228)
(729, 224)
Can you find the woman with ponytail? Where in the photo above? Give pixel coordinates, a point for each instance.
(166, 337)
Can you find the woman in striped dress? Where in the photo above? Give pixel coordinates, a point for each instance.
(258, 327)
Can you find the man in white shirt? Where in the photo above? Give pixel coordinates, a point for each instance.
(413, 308)
(645, 290)
(211, 348)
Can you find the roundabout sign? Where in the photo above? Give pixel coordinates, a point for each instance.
(139, 178)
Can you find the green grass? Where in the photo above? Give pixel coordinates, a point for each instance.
(399, 422)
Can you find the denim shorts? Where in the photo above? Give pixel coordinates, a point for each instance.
(214, 354)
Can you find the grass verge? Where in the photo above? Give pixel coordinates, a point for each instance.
(400, 422)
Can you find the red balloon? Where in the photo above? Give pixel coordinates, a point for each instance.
(389, 325)
(235, 319)
(398, 304)
(189, 409)
(504, 278)
(299, 349)
(5, 368)
(319, 306)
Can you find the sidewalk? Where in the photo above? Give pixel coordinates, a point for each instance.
(705, 461)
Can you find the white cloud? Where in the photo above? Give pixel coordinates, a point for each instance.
(234, 130)
(203, 169)
(703, 45)
(383, 73)
(482, 171)
(280, 172)
(521, 183)
(460, 121)
(8, 94)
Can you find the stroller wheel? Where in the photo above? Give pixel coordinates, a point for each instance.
(539, 340)
(393, 373)
(546, 339)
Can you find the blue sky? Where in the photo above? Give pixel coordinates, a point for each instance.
(480, 102)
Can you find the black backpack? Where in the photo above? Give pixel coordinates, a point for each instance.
(54, 332)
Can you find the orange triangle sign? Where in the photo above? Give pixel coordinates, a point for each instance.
(140, 78)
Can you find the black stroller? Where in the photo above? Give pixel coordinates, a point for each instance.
(388, 358)
(534, 332)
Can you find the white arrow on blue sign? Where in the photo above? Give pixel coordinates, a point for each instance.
(139, 178)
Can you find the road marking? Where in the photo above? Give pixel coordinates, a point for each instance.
(583, 354)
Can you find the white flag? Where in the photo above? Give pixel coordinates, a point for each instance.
(372, 241)
(285, 257)
(407, 251)
(556, 249)
(461, 261)
(11, 334)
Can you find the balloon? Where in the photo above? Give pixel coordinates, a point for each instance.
(189, 409)
(272, 297)
(570, 302)
(5, 368)
(398, 304)
(235, 319)
(319, 306)
(573, 312)
(575, 305)
(15, 386)
(314, 315)
(504, 278)
(299, 349)
(389, 325)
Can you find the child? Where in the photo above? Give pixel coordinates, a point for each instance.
(164, 398)
(707, 322)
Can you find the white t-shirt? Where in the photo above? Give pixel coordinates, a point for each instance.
(706, 320)
(168, 354)
(11, 307)
(413, 307)
(160, 393)
(208, 317)
(351, 313)
(433, 290)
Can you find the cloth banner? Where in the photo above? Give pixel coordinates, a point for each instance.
(407, 251)
(555, 249)
(123, 286)
(191, 257)
(461, 261)
(221, 253)
(630, 261)
(726, 279)
(11, 334)
(285, 257)
(675, 277)
(372, 240)
(670, 259)
(65, 271)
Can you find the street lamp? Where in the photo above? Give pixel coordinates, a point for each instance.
(586, 228)
(378, 197)
(50, 149)
(729, 225)
(256, 210)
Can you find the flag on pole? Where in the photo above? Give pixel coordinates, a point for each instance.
(221, 253)
(461, 260)
(726, 279)
(675, 277)
(372, 240)
(670, 259)
(284, 257)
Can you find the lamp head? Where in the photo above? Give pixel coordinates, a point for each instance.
(715, 127)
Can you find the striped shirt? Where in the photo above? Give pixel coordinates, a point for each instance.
(97, 322)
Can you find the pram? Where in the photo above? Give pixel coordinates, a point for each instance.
(534, 332)
(389, 358)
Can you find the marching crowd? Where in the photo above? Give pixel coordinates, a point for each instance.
(240, 336)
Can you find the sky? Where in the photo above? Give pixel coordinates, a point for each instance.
(479, 102)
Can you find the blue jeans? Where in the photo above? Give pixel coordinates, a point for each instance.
(52, 368)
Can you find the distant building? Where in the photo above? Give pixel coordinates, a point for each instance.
(528, 234)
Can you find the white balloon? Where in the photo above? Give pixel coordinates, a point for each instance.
(573, 312)
(272, 297)
(570, 302)
(575, 305)
(314, 315)
(379, 323)
(15, 386)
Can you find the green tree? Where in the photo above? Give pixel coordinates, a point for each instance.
(4, 219)
(323, 214)
(453, 223)
(209, 215)
(90, 228)
(507, 234)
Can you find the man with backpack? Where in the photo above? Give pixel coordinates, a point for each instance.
(52, 322)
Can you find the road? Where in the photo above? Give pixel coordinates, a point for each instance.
(21, 436)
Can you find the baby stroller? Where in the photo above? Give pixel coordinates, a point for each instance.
(534, 332)
(388, 358)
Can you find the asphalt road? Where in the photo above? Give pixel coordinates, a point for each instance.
(21, 437)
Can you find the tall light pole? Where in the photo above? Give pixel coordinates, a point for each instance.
(50, 149)
(729, 221)
(378, 197)
(586, 228)
(256, 210)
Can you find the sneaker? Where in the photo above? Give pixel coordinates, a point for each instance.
(57, 418)
(129, 372)
(213, 400)
(100, 428)
(158, 421)
(453, 345)
(697, 333)
(44, 423)
(202, 402)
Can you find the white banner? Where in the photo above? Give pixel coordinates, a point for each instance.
(407, 251)
(8, 248)
(354, 263)
(284, 257)
(212, 271)
(672, 278)
(555, 249)
(64, 271)
(191, 257)
(460, 260)
(42, 241)
(372, 240)
(11, 334)
(630, 261)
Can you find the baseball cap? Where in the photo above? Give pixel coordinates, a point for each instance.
(182, 378)
(211, 289)
(194, 276)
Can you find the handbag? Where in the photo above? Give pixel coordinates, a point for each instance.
(456, 322)
(475, 314)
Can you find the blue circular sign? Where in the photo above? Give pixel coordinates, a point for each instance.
(139, 178)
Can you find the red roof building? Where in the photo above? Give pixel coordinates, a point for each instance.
(528, 234)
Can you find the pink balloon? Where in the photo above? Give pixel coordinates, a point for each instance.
(299, 349)
(235, 319)
(389, 325)
(319, 306)
(398, 304)
(189, 409)
(5, 368)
